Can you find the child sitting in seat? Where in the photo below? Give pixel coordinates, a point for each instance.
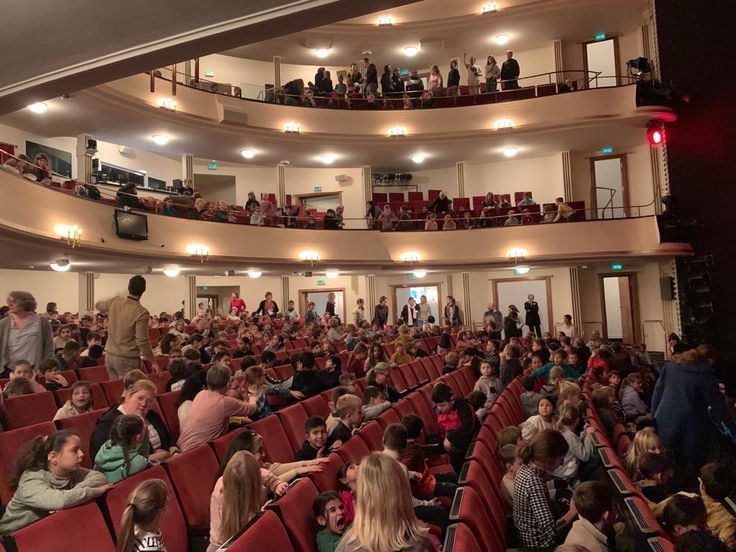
(348, 381)
(23, 369)
(543, 420)
(333, 418)
(682, 514)
(451, 362)
(458, 423)
(316, 444)
(656, 473)
(79, 402)
(93, 357)
(69, 356)
(477, 400)
(140, 527)
(580, 447)
(595, 505)
(351, 414)
(93, 338)
(374, 403)
(529, 399)
(329, 511)
(332, 372)
(602, 402)
(630, 396)
(488, 383)
(50, 371)
(255, 382)
(509, 456)
(123, 454)
(644, 441)
(347, 478)
(178, 370)
(552, 387)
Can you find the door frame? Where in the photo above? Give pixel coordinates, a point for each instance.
(303, 300)
(394, 287)
(633, 298)
(211, 297)
(616, 58)
(624, 166)
(548, 285)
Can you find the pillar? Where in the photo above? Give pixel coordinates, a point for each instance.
(285, 295)
(281, 183)
(277, 72)
(660, 182)
(567, 175)
(467, 300)
(367, 180)
(187, 72)
(460, 173)
(559, 68)
(191, 296)
(187, 166)
(370, 300)
(86, 282)
(84, 160)
(577, 311)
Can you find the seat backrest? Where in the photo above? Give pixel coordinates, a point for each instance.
(460, 538)
(354, 450)
(389, 417)
(473, 476)
(113, 390)
(193, 475)
(84, 424)
(167, 403)
(316, 406)
(173, 526)
(267, 534)
(161, 381)
(398, 381)
(70, 376)
(430, 368)
(419, 371)
(95, 374)
(326, 480)
(408, 375)
(294, 509)
(222, 444)
(293, 419)
(372, 435)
(468, 507)
(420, 408)
(99, 400)
(82, 529)
(276, 444)
(11, 442)
(27, 410)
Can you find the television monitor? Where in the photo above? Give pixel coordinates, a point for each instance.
(131, 226)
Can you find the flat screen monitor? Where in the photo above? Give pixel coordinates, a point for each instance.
(131, 226)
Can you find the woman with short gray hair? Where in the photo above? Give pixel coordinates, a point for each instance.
(24, 334)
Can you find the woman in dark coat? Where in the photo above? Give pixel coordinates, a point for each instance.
(532, 316)
(380, 314)
(683, 395)
(511, 324)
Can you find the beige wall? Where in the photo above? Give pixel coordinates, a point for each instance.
(157, 166)
(163, 294)
(60, 287)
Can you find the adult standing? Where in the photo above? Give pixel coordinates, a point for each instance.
(410, 312)
(567, 326)
(330, 305)
(127, 331)
(532, 319)
(512, 324)
(359, 314)
(268, 306)
(380, 313)
(685, 392)
(237, 303)
(371, 79)
(425, 310)
(493, 315)
(452, 311)
(24, 334)
(510, 72)
(492, 72)
(474, 73)
(453, 79)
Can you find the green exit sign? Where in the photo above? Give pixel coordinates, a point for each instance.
(318, 188)
(205, 288)
(209, 73)
(403, 72)
(411, 277)
(600, 36)
(617, 267)
(321, 282)
(212, 166)
(607, 149)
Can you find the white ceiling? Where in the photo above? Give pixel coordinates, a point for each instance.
(447, 29)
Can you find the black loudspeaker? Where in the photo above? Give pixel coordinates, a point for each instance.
(667, 288)
(178, 183)
(308, 274)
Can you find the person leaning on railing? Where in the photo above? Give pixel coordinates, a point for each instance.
(43, 172)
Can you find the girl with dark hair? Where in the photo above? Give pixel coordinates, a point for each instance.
(121, 456)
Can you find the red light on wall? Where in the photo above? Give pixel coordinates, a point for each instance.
(655, 134)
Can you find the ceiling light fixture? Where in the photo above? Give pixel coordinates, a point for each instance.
(322, 52)
(489, 7)
(418, 158)
(198, 250)
(397, 132)
(327, 158)
(171, 272)
(419, 273)
(62, 265)
(411, 51)
(255, 273)
(38, 107)
(521, 270)
(502, 39)
(502, 124)
(247, 153)
(292, 128)
(510, 152)
(385, 20)
(332, 273)
(160, 139)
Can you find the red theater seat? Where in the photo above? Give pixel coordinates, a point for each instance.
(276, 444)
(99, 400)
(372, 435)
(96, 374)
(113, 390)
(84, 424)
(167, 403)
(293, 419)
(294, 509)
(326, 480)
(193, 475)
(469, 508)
(461, 539)
(267, 534)
(354, 450)
(11, 443)
(27, 410)
(222, 444)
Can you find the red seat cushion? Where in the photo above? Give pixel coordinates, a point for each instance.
(11, 443)
(29, 410)
(193, 475)
(293, 419)
(267, 534)
(167, 403)
(294, 509)
(276, 445)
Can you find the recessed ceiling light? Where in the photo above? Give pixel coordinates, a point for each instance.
(521, 270)
(255, 273)
(418, 157)
(171, 272)
(160, 139)
(327, 159)
(420, 273)
(510, 152)
(62, 265)
(322, 52)
(502, 39)
(332, 273)
(38, 107)
(411, 51)
(247, 153)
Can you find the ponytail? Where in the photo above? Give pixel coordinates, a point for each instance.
(145, 505)
(569, 415)
(126, 535)
(546, 446)
(124, 432)
(525, 453)
(35, 455)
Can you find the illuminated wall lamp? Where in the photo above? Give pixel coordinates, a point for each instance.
(167, 104)
(292, 128)
(62, 265)
(198, 250)
(385, 20)
(502, 124)
(310, 256)
(332, 273)
(171, 272)
(72, 234)
(521, 270)
(516, 254)
(255, 273)
(397, 132)
(410, 257)
(419, 273)
(489, 7)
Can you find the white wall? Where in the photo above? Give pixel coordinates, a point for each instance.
(46, 286)
(540, 175)
(247, 179)
(157, 166)
(163, 294)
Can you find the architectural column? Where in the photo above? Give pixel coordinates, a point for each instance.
(187, 72)
(84, 159)
(567, 175)
(277, 72)
(281, 183)
(672, 322)
(467, 302)
(557, 46)
(577, 311)
(450, 285)
(460, 173)
(86, 283)
(660, 182)
(370, 299)
(367, 177)
(285, 291)
(187, 166)
(191, 296)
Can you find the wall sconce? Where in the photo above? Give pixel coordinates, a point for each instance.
(397, 132)
(72, 234)
(199, 250)
(502, 124)
(489, 7)
(62, 265)
(516, 254)
(292, 128)
(167, 104)
(521, 270)
(385, 20)
(410, 257)
(311, 256)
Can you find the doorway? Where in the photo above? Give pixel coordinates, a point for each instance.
(609, 193)
(515, 291)
(401, 294)
(619, 306)
(320, 296)
(601, 56)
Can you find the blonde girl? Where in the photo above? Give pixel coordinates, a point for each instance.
(644, 441)
(384, 516)
(140, 528)
(552, 387)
